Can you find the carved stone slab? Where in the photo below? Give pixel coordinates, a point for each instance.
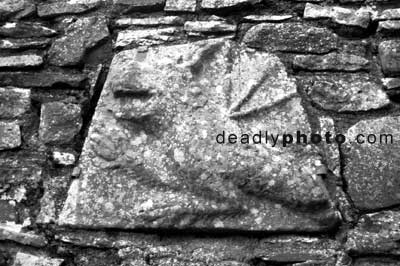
(151, 159)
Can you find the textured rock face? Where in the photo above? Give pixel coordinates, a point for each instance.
(10, 136)
(153, 161)
(14, 102)
(59, 122)
(212, 4)
(331, 62)
(370, 170)
(389, 54)
(180, 5)
(25, 30)
(291, 37)
(81, 35)
(15, 8)
(376, 233)
(25, 259)
(341, 93)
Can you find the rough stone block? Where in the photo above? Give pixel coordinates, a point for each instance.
(372, 179)
(180, 5)
(291, 37)
(14, 102)
(389, 55)
(10, 136)
(59, 122)
(83, 34)
(151, 159)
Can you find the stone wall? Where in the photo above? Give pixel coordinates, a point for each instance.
(108, 116)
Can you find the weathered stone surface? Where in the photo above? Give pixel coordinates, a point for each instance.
(63, 158)
(50, 203)
(391, 83)
(146, 37)
(14, 102)
(150, 21)
(208, 251)
(25, 259)
(346, 92)
(61, 8)
(180, 5)
(390, 14)
(267, 18)
(217, 4)
(376, 262)
(42, 79)
(342, 16)
(389, 27)
(14, 233)
(291, 37)
(141, 5)
(15, 44)
(209, 27)
(10, 136)
(331, 62)
(373, 182)
(17, 8)
(59, 122)
(151, 159)
(20, 61)
(389, 55)
(376, 233)
(82, 35)
(25, 30)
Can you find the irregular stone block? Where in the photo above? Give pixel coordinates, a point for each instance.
(146, 37)
(376, 262)
(20, 61)
(14, 102)
(208, 27)
(25, 30)
(61, 8)
(59, 122)
(141, 5)
(267, 18)
(375, 233)
(331, 62)
(390, 14)
(50, 204)
(208, 251)
(389, 27)
(25, 259)
(16, 44)
(8, 212)
(291, 37)
(373, 182)
(14, 233)
(218, 4)
(10, 136)
(13, 174)
(83, 34)
(42, 79)
(63, 158)
(347, 17)
(391, 83)
(346, 93)
(180, 5)
(16, 8)
(151, 21)
(142, 167)
(342, 16)
(389, 55)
